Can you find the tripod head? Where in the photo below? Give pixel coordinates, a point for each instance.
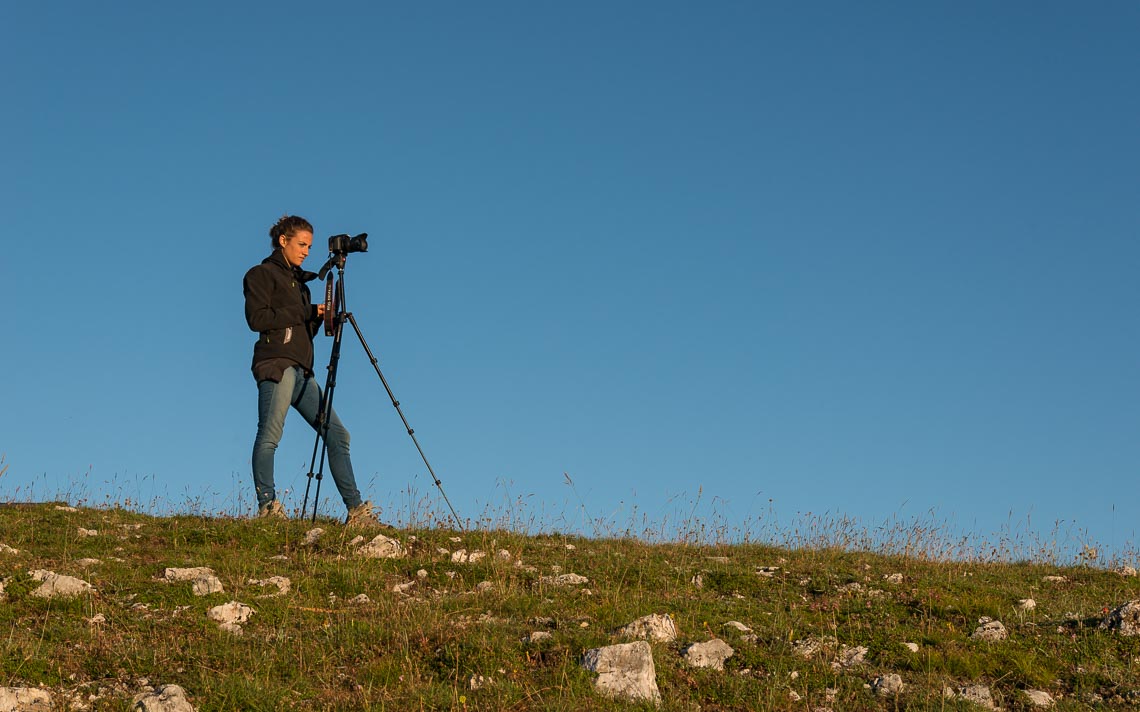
(340, 246)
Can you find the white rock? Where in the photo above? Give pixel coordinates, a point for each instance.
(165, 698)
(1054, 579)
(977, 694)
(912, 647)
(624, 671)
(382, 547)
(403, 587)
(656, 627)
(711, 654)
(174, 575)
(809, 647)
(88, 563)
(737, 625)
(1125, 619)
(356, 540)
(887, 685)
(484, 587)
(421, 574)
(312, 536)
(893, 578)
(5, 549)
(503, 555)
(767, 571)
(989, 630)
(1122, 570)
(233, 613)
(538, 636)
(478, 682)
(360, 599)
(65, 508)
(283, 584)
(232, 628)
(463, 557)
(1039, 698)
(87, 532)
(850, 657)
(54, 585)
(1027, 604)
(564, 580)
(25, 699)
(206, 585)
(97, 619)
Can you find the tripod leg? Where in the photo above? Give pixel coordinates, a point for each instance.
(321, 424)
(396, 404)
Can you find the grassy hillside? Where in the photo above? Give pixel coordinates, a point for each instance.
(438, 632)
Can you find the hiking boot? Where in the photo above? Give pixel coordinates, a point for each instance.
(272, 510)
(362, 515)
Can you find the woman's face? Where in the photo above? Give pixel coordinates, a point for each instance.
(296, 248)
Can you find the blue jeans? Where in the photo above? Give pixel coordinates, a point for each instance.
(273, 401)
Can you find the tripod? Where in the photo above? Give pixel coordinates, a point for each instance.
(335, 317)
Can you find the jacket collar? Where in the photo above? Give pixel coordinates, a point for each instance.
(277, 259)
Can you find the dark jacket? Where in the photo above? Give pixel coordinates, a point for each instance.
(277, 306)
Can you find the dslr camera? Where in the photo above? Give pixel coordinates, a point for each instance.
(343, 244)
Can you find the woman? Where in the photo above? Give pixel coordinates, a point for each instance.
(277, 306)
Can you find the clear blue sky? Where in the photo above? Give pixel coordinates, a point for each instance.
(876, 260)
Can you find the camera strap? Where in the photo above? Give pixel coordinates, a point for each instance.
(330, 305)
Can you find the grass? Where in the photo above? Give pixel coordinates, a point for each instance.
(450, 643)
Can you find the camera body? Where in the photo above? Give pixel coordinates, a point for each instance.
(343, 244)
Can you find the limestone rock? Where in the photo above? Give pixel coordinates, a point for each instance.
(230, 616)
(893, 578)
(811, 646)
(283, 584)
(1125, 620)
(1026, 604)
(625, 671)
(24, 699)
(176, 575)
(205, 585)
(1039, 698)
(564, 580)
(382, 547)
(737, 625)
(989, 630)
(977, 694)
(709, 655)
(656, 627)
(464, 557)
(887, 685)
(5, 549)
(912, 647)
(166, 698)
(850, 657)
(1123, 570)
(312, 536)
(55, 585)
